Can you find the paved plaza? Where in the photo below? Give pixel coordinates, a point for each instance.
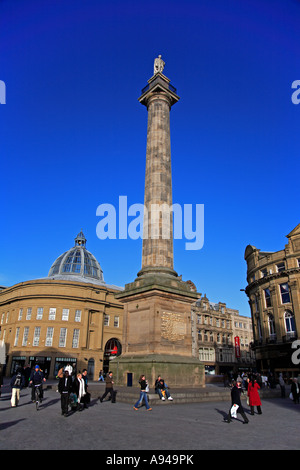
(118, 427)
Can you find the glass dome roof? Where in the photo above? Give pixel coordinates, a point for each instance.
(77, 262)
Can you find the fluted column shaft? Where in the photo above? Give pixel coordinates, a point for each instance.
(157, 249)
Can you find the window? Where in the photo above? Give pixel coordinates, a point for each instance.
(199, 319)
(28, 314)
(280, 267)
(25, 336)
(78, 315)
(75, 341)
(65, 314)
(2, 318)
(271, 323)
(52, 313)
(207, 354)
(264, 272)
(106, 320)
(20, 314)
(49, 336)
(289, 319)
(116, 322)
(62, 338)
(36, 337)
(268, 297)
(285, 295)
(199, 335)
(39, 315)
(17, 336)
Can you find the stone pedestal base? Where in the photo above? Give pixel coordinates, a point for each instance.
(177, 371)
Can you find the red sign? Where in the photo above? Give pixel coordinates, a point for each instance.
(237, 346)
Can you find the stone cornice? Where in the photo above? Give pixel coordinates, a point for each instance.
(270, 277)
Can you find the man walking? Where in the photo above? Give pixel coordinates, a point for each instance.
(109, 388)
(236, 403)
(65, 387)
(17, 382)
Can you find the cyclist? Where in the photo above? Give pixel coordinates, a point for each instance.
(36, 380)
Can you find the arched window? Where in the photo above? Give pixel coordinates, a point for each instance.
(289, 320)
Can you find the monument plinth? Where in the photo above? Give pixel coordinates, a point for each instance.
(157, 305)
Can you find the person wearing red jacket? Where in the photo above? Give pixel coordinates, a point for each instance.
(253, 395)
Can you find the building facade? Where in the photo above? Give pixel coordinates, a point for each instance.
(71, 316)
(274, 298)
(222, 337)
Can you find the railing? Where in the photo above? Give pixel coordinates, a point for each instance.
(272, 339)
(171, 88)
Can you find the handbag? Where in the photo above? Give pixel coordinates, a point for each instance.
(233, 410)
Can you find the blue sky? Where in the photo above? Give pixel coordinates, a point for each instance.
(73, 134)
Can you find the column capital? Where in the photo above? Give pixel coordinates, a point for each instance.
(159, 87)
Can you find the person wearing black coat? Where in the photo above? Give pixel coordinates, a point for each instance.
(236, 400)
(65, 388)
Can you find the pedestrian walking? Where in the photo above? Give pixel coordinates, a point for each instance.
(65, 388)
(254, 398)
(295, 391)
(143, 394)
(17, 382)
(282, 385)
(101, 378)
(109, 388)
(80, 391)
(87, 397)
(1, 378)
(236, 405)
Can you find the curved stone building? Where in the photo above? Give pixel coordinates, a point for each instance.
(71, 316)
(274, 297)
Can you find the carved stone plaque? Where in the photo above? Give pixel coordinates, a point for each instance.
(173, 326)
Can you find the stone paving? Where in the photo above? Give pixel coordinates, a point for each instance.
(172, 428)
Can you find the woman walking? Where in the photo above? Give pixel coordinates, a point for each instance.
(80, 391)
(143, 395)
(253, 395)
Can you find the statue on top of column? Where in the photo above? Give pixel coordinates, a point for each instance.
(158, 65)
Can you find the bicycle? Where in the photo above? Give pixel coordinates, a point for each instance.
(38, 398)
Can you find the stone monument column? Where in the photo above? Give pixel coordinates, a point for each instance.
(157, 254)
(157, 336)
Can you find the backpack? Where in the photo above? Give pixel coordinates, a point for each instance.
(18, 380)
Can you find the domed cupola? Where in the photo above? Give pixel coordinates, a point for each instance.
(77, 263)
